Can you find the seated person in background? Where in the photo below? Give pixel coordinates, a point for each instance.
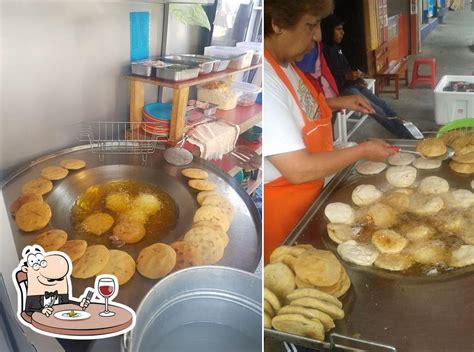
(349, 82)
(315, 67)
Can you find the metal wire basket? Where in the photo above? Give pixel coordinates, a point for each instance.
(122, 137)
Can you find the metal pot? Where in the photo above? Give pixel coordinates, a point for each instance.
(207, 308)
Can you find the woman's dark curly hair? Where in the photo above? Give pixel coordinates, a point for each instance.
(287, 13)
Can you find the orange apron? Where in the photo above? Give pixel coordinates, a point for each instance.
(286, 203)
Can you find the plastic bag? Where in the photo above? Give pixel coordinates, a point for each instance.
(193, 15)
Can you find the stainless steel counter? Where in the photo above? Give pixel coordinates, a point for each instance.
(411, 313)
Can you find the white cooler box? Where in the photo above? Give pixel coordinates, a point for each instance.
(451, 106)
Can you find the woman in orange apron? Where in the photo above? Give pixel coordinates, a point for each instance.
(286, 202)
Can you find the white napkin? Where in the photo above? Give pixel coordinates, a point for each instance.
(215, 139)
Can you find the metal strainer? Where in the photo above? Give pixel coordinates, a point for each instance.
(177, 155)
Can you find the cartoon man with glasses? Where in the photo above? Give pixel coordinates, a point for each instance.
(47, 280)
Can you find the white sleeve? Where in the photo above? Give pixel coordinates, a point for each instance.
(281, 132)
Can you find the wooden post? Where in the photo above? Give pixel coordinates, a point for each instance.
(370, 29)
(137, 102)
(178, 114)
(414, 27)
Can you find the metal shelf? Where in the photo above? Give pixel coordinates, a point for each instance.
(180, 97)
(191, 82)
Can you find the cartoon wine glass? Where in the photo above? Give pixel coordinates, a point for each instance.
(106, 289)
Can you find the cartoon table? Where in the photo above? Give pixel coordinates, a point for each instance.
(94, 325)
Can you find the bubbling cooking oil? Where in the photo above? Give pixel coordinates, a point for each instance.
(443, 232)
(142, 202)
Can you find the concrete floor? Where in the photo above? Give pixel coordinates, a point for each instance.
(449, 43)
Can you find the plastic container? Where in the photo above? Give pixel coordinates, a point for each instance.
(249, 93)
(223, 96)
(208, 109)
(239, 57)
(450, 106)
(252, 135)
(257, 47)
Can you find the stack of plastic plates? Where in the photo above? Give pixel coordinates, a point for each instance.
(156, 119)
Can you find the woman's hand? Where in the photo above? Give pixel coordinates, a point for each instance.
(361, 83)
(351, 102)
(353, 75)
(377, 150)
(302, 166)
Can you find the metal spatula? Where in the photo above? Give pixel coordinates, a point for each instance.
(449, 153)
(398, 126)
(414, 131)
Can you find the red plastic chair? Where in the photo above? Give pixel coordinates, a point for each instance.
(417, 78)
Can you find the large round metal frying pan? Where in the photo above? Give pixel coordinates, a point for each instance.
(243, 251)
